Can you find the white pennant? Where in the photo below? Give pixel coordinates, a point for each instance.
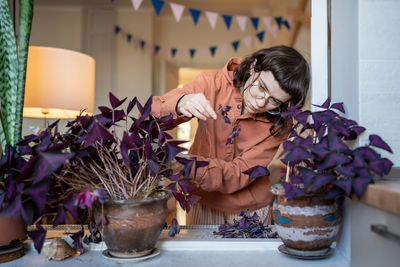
(177, 10)
(212, 18)
(224, 48)
(136, 4)
(182, 52)
(247, 41)
(202, 51)
(241, 20)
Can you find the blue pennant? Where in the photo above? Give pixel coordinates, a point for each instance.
(235, 45)
(228, 20)
(158, 5)
(173, 52)
(142, 44)
(287, 25)
(212, 50)
(195, 15)
(156, 49)
(279, 21)
(192, 52)
(117, 29)
(254, 20)
(129, 37)
(260, 36)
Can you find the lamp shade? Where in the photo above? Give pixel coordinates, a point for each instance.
(59, 83)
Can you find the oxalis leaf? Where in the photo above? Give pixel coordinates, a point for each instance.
(256, 171)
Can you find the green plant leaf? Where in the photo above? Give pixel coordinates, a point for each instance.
(25, 23)
(8, 74)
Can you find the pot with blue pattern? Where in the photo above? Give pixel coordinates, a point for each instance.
(305, 223)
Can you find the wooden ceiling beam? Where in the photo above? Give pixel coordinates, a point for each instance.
(299, 17)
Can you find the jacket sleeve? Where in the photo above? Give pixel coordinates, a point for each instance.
(227, 176)
(166, 104)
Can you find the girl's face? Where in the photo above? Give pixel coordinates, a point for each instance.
(262, 93)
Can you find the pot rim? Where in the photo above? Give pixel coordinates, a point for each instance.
(139, 201)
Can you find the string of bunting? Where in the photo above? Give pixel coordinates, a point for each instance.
(184, 51)
(212, 17)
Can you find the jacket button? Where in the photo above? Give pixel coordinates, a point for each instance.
(232, 141)
(239, 106)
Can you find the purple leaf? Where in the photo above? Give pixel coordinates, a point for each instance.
(338, 106)
(188, 163)
(355, 132)
(84, 199)
(114, 101)
(334, 193)
(387, 166)
(105, 111)
(298, 154)
(99, 196)
(60, 217)
(190, 201)
(184, 184)
(296, 179)
(172, 187)
(376, 140)
(172, 151)
(38, 236)
(377, 166)
(333, 159)
(146, 110)
(368, 153)
(347, 170)
(325, 104)
(14, 208)
(131, 104)
(27, 213)
(70, 205)
(154, 168)
(360, 184)
(49, 162)
(234, 133)
(118, 115)
(256, 172)
(308, 176)
(125, 146)
(345, 185)
(302, 117)
(38, 193)
(98, 133)
(292, 191)
(322, 179)
(200, 164)
(335, 143)
(174, 228)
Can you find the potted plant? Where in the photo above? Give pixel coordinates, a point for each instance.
(118, 186)
(323, 166)
(12, 88)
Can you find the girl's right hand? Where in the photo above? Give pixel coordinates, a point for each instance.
(196, 105)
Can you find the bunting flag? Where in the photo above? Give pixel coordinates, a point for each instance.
(173, 52)
(260, 36)
(286, 24)
(158, 5)
(195, 15)
(136, 4)
(182, 52)
(279, 21)
(142, 44)
(227, 20)
(192, 52)
(177, 10)
(235, 45)
(212, 50)
(156, 49)
(241, 21)
(212, 18)
(289, 20)
(247, 41)
(272, 29)
(254, 21)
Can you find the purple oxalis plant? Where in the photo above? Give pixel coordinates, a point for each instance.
(63, 174)
(320, 159)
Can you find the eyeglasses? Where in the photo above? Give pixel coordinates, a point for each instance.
(258, 92)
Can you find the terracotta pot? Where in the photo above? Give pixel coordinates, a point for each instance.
(306, 223)
(134, 226)
(12, 231)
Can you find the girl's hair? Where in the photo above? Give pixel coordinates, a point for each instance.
(290, 70)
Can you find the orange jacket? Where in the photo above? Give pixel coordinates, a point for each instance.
(222, 185)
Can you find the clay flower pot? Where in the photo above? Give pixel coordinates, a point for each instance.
(133, 226)
(306, 223)
(12, 230)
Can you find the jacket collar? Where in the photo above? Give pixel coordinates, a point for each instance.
(229, 67)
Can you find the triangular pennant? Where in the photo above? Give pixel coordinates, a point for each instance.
(247, 41)
(260, 36)
(192, 52)
(117, 29)
(267, 22)
(149, 47)
(202, 51)
(173, 52)
(241, 21)
(129, 37)
(177, 10)
(136, 4)
(227, 20)
(286, 24)
(135, 41)
(235, 45)
(224, 48)
(195, 15)
(156, 49)
(212, 18)
(254, 21)
(212, 50)
(164, 51)
(279, 21)
(142, 44)
(182, 52)
(158, 5)
(289, 19)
